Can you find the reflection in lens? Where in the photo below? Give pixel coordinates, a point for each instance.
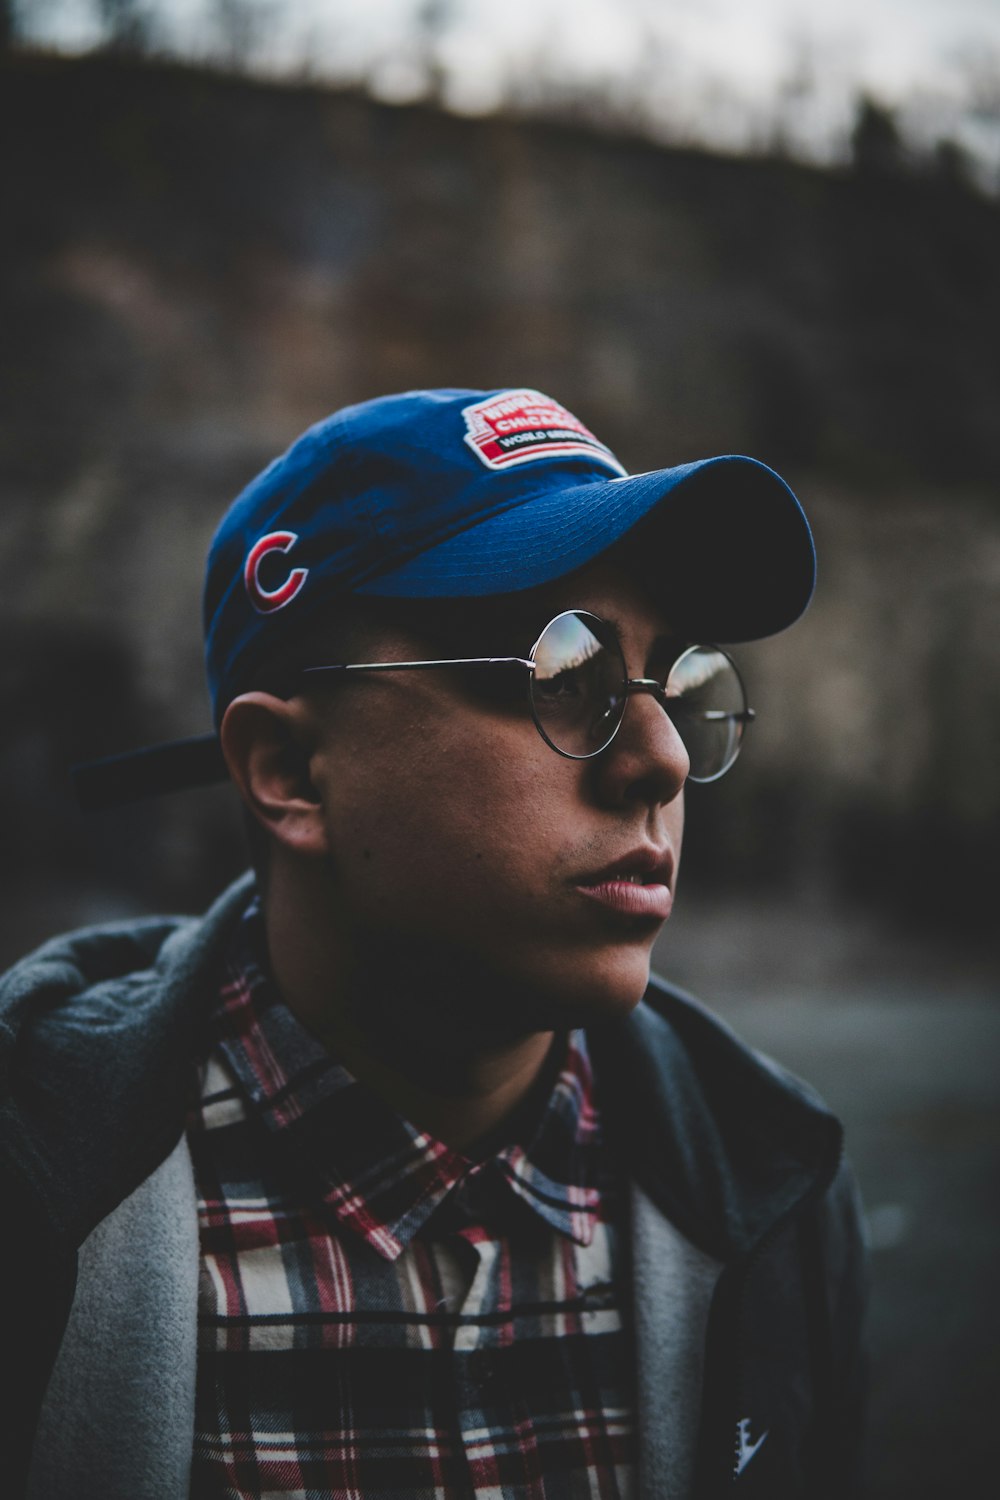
(578, 685)
(707, 705)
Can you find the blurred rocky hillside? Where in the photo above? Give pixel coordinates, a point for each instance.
(196, 267)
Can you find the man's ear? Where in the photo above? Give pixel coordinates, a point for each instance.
(266, 742)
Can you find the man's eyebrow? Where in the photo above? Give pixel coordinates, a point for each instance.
(502, 628)
(671, 643)
(667, 643)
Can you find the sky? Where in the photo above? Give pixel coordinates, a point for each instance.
(730, 72)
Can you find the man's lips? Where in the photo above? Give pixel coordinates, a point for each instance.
(637, 885)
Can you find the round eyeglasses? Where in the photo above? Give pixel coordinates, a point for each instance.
(578, 689)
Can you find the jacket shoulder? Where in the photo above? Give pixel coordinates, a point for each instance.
(97, 1034)
(705, 1034)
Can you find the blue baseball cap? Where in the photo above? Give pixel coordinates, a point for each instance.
(463, 494)
(452, 494)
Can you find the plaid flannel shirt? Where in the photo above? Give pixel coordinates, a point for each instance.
(380, 1315)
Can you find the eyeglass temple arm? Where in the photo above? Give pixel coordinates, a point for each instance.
(405, 666)
(633, 685)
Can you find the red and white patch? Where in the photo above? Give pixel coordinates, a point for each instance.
(517, 427)
(266, 601)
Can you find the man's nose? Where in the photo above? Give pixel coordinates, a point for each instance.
(647, 760)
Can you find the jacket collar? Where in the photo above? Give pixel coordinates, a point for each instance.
(723, 1140)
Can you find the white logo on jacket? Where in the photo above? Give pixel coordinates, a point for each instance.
(745, 1449)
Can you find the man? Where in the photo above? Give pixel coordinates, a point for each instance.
(396, 1174)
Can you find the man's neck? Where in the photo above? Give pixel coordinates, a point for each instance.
(407, 1032)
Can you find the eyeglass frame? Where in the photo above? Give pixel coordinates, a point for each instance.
(651, 685)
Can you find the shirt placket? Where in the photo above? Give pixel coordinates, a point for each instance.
(490, 1410)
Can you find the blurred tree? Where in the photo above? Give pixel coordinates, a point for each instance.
(981, 69)
(241, 27)
(12, 18)
(129, 26)
(952, 165)
(794, 95)
(877, 147)
(431, 23)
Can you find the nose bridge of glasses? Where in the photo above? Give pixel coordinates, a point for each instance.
(648, 685)
(666, 744)
(657, 690)
(658, 693)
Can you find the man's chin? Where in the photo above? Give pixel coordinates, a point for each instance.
(453, 1000)
(605, 987)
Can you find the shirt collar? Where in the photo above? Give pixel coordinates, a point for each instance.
(556, 1174)
(379, 1174)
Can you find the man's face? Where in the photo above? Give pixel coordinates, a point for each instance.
(464, 847)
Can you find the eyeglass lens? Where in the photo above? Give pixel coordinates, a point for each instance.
(578, 685)
(707, 705)
(579, 689)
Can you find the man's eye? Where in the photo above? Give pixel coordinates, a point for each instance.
(563, 685)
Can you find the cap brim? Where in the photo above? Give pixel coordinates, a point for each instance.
(723, 543)
(725, 539)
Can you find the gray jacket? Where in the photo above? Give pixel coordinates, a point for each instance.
(746, 1254)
